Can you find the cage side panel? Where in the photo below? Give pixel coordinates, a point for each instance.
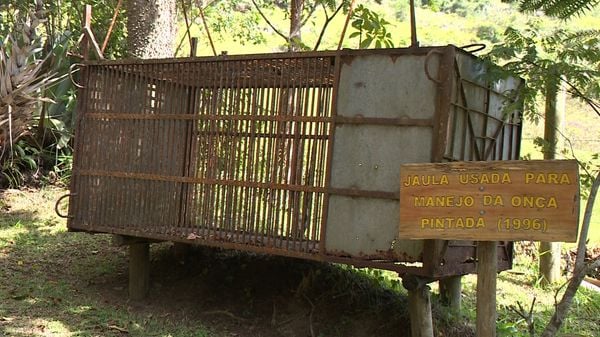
(261, 146)
(367, 156)
(366, 228)
(485, 119)
(114, 148)
(241, 159)
(484, 124)
(385, 86)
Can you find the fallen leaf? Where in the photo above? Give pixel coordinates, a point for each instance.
(114, 327)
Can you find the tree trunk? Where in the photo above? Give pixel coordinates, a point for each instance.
(151, 28)
(554, 111)
(296, 9)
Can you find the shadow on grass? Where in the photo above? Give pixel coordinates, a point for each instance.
(75, 284)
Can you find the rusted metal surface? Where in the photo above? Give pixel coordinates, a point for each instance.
(235, 154)
(295, 154)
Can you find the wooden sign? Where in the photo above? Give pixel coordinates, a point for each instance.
(490, 201)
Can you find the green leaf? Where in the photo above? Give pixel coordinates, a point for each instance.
(366, 43)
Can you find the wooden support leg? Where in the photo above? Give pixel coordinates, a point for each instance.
(487, 266)
(419, 306)
(450, 292)
(139, 270)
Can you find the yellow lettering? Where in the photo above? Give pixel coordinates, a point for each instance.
(443, 223)
(506, 178)
(528, 177)
(547, 178)
(484, 179)
(528, 201)
(493, 200)
(425, 180)
(564, 179)
(487, 200)
(541, 179)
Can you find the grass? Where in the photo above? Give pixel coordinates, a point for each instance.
(56, 283)
(48, 277)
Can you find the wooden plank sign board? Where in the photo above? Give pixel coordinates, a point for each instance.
(490, 201)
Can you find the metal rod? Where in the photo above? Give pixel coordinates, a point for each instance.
(112, 24)
(414, 42)
(212, 45)
(350, 10)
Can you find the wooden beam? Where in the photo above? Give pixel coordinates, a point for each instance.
(419, 305)
(139, 270)
(450, 292)
(487, 263)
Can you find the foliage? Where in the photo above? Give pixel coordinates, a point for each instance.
(557, 58)
(563, 9)
(251, 21)
(551, 58)
(234, 19)
(23, 77)
(460, 7)
(23, 158)
(37, 55)
(371, 28)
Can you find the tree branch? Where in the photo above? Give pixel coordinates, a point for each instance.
(328, 20)
(595, 106)
(311, 11)
(527, 316)
(579, 271)
(277, 31)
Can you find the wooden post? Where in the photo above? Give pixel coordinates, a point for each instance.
(487, 266)
(139, 270)
(450, 292)
(193, 47)
(419, 306)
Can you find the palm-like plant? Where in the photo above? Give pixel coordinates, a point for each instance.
(22, 79)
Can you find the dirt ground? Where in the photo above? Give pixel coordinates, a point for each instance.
(242, 294)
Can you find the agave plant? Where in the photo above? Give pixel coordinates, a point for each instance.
(23, 79)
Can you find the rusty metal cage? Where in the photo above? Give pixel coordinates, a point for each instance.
(268, 153)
